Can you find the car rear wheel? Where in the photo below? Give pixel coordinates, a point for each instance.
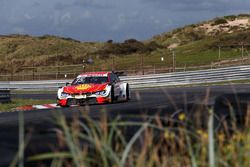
(127, 93)
(112, 95)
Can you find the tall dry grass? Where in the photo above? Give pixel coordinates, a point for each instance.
(155, 141)
(181, 139)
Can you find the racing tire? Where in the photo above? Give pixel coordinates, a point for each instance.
(112, 95)
(127, 93)
(64, 106)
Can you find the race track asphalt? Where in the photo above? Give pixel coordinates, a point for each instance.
(41, 123)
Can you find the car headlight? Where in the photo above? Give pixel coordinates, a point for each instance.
(101, 93)
(63, 94)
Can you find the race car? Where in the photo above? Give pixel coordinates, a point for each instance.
(93, 87)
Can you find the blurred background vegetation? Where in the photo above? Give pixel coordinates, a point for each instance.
(223, 41)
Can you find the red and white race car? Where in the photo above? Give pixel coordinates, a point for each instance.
(93, 87)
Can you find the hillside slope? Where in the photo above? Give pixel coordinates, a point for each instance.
(219, 29)
(193, 45)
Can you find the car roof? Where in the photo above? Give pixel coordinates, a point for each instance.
(102, 73)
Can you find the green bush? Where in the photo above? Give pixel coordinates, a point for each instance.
(230, 17)
(129, 46)
(244, 15)
(220, 21)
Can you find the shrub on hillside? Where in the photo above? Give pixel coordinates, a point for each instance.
(11, 47)
(129, 46)
(230, 17)
(231, 40)
(60, 57)
(152, 46)
(57, 37)
(220, 21)
(244, 15)
(195, 35)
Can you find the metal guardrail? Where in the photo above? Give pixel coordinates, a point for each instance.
(139, 81)
(5, 96)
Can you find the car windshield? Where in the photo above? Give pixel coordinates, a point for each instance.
(90, 80)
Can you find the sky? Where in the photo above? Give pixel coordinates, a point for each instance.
(103, 20)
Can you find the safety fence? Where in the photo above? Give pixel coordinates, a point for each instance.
(152, 80)
(71, 71)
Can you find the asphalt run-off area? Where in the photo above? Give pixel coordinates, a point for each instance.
(39, 121)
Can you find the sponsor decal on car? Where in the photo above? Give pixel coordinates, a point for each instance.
(83, 87)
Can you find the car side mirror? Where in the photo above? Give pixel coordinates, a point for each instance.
(67, 83)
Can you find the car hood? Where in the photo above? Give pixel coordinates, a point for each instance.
(84, 88)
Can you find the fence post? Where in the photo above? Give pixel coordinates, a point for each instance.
(142, 63)
(242, 53)
(173, 55)
(33, 74)
(219, 54)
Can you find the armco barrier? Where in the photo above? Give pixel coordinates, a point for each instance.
(139, 81)
(5, 96)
